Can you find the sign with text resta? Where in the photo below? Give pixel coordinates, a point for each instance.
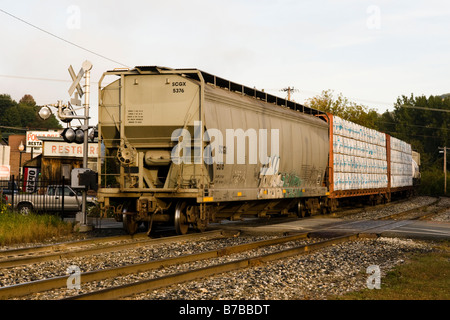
(63, 149)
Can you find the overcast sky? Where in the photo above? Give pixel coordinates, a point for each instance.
(370, 51)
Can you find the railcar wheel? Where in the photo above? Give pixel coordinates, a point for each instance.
(301, 212)
(129, 224)
(181, 224)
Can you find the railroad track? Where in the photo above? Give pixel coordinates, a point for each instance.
(28, 254)
(58, 282)
(121, 291)
(416, 213)
(345, 211)
(422, 211)
(14, 258)
(151, 284)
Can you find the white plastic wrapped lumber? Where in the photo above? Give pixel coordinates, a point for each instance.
(359, 156)
(401, 163)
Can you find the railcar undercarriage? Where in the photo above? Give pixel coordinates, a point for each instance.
(185, 213)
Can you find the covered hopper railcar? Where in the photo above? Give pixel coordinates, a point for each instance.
(183, 146)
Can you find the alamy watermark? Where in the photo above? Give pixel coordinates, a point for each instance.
(233, 152)
(74, 280)
(73, 21)
(373, 21)
(374, 279)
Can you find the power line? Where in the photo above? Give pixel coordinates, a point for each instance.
(35, 78)
(62, 39)
(420, 135)
(32, 78)
(411, 125)
(25, 129)
(351, 99)
(428, 109)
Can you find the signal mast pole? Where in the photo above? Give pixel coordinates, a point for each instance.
(70, 135)
(87, 66)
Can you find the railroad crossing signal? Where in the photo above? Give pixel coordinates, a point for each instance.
(67, 114)
(76, 80)
(76, 101)
(87, 66)
(73, 135)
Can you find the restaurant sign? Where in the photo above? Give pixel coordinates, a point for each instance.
(33, 141)
(63, 149)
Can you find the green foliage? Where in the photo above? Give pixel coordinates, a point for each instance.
(344, 108)
(426, 130)
(3, 208)
(432, 182)
(419, 122)
(23, 115)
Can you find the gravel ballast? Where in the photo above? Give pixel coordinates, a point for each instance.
(331, 271)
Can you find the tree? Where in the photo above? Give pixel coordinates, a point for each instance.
(419, 122)
(27, 100)
(5, 103)
(344, 108)
(386, 123)
(23, 115)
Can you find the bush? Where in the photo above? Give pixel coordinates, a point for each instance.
(432, 182)
(3, 208)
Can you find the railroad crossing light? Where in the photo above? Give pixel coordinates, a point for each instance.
(66, 115)
(73, 136)
(45, 113)
(93, 135)
(79, 136)
(68, 135)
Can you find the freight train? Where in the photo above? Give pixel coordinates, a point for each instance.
(185, 147)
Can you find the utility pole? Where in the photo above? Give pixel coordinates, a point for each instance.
(445, 167)
(289, 90)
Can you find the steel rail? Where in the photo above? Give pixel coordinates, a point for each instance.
(403, 213)
(143, 286)
(152, 284)
(322, 232)
(432, 213)
(102, 249)
(66, 245)
(59, 282)
(342, 212)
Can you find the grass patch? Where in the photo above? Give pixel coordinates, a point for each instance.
(423, 277)
(16, 228)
